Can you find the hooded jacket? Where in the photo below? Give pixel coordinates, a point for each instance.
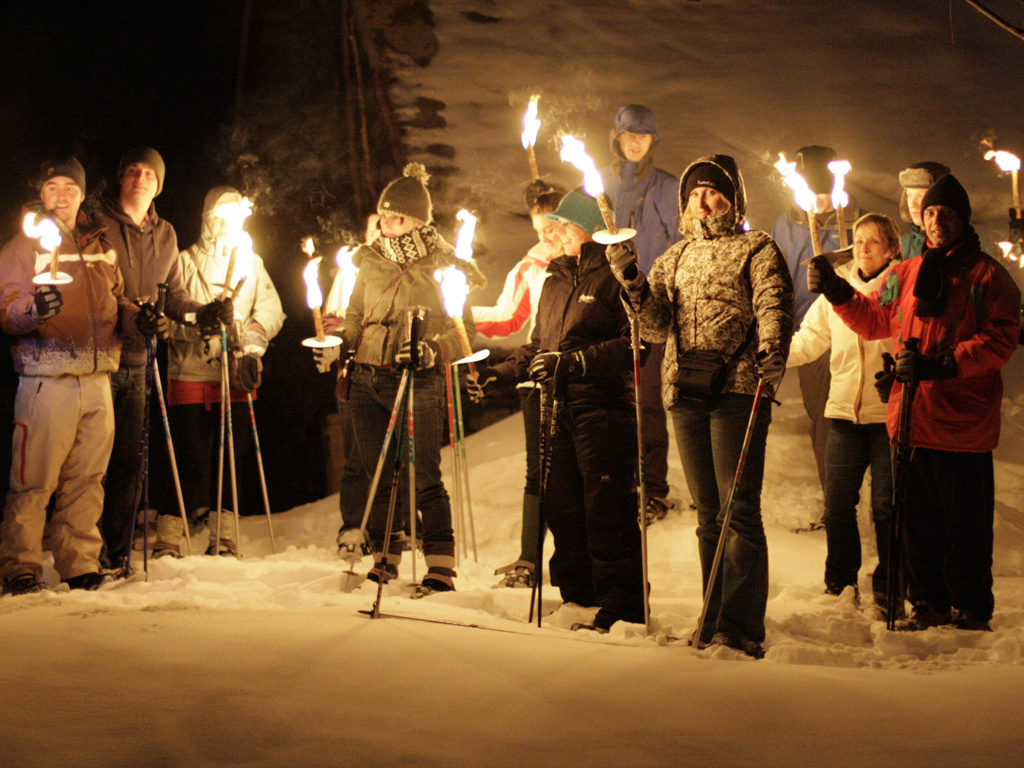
(375, 319)
(517, 304)
(980, 323)
(853, 362)
(716, 286)
(146, 255)
(580, 310)
(85, 336)
(645, 199)
(258, 312)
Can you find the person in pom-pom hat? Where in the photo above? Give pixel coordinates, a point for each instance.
(915, 181)
(66, 345)
(396, 271)
(580, 354)
(964, 308)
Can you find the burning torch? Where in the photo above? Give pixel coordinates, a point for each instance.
(1008, 162)
(573, 151)
(344, 282)
(805, 198)
(840, 199)
(241, 258)
(314, 298)
(531, 125)
(46, 232)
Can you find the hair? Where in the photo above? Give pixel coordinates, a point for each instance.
(886, 226)
(547, 202)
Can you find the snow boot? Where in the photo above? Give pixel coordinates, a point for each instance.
(22, 583)
(352, 544)
(86, 581)
(750, 647)
(657, 508)
(516, 576)
(228, 547)
(968, 621)
(169, 530)
(923, 617)
(440, 559)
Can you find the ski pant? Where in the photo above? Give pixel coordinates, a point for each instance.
(947, 530)
(655, 424)
(710, 439)
(815, 379)
(128, 393)
(852, 449)
(356, 476)
(64, 431)
(590, 505)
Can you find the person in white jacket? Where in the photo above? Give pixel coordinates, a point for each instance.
(858, 439)
(517, 307)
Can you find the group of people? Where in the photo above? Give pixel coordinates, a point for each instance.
(722, 311)
(82, 347)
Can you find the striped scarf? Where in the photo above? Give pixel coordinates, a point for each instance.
(410, 246)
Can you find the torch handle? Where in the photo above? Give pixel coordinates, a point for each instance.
(467, 348)
(531, 155)
(55, 263)
(228, 274)
(812, 224)
(605, 204)
(844, 236)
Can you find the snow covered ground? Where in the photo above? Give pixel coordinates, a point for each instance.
(264, 661)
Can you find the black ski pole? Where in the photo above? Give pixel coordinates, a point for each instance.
(547, 450)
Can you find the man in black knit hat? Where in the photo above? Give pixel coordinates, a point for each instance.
(963, 306)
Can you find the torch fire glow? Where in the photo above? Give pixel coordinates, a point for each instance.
(1007, 161)
(1007, 248)
(840, 199)
(241, 258)
(574, 151)
(804, 196)
(454, 286)
(531, 125)
(48, 235)
(314, 298)
(344, 282)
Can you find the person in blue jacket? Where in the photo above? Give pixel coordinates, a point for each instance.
(915, 181)
(646, 198)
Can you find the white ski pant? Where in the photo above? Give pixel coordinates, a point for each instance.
(63, 435)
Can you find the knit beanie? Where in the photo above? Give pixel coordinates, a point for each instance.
(812, 163)
(949, 192)
(636, 118)
(580, 209)
(919, 176)
(146, 155)
(408, 196)
(64, 166)
(710, 175)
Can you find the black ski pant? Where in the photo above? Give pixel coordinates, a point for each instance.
(591, 508)
(947, 530)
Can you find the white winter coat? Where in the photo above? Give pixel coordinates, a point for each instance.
(853, 362)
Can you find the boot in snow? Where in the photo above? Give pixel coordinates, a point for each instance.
(169, 530)
(228, 547)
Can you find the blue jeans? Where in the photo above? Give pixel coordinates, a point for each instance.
(852, 449)
(128, 391)
(710, 438)
(371, 399)
(356, 476)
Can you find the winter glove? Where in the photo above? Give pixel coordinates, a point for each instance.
(771, 365)
(250, 368)
(210, 316)
(47, 303)
(884, 378)
(324, 357)
(151, 323)
(482, 383)
(622, 258)
(428, 353)
(554, 365)
(822, 278)
(916, 366)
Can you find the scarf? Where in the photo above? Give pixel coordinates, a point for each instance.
(929, 288)
(409, 247)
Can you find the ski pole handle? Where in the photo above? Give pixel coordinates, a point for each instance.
(161, 297)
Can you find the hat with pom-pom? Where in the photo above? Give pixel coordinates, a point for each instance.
(408, 196)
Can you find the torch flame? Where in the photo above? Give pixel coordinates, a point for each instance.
(45, 231)
(530, 123)
(804, 196)
(839, 169)
(314, 296)
(1007, 161)
(307, 247)
(344, 282)
(454, 289)
(573, 151)
(464, 240)
(1007, 248)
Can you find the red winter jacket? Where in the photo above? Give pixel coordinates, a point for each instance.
(980, 323)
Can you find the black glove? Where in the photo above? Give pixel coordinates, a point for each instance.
(428, 352)
(48, 302)
(916, 366)
(481, 383)
(152, 323)
(324, 357)
(885, 378)
(622, 258)
(771, 365)
(210, 316)
(250, 368)
(822, 278)
(554, 365)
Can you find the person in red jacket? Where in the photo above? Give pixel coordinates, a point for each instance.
(964, 308)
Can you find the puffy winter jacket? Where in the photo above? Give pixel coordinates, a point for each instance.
(376, 312)
(707, 291)
(85, 336)
(517, 304)
(980, 323)
(853, 362)
(146, 255)
(644, 198)
(580, 310)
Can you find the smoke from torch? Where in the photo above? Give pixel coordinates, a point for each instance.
(531, 125)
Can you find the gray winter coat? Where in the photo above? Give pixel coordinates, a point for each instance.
(708, 290)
